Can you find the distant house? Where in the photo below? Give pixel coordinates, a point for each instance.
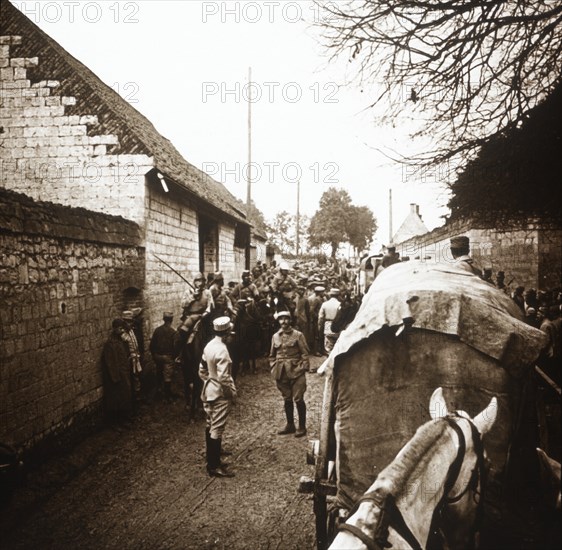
(412, 226)
(70, 139)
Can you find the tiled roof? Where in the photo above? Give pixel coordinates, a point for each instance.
(136, 133)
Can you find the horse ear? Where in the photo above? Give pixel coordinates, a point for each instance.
(437, 405)
(485, 420)
(549, 464)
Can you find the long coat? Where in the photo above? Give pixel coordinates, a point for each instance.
(118, 394)
(303, 318)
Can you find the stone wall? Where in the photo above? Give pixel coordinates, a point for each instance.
(258, 252)
(550, 258)
(232, 260)
(172, 235)
(65, 273)
(529, 253)
(53, 156)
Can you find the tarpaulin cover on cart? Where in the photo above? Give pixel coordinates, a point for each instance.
(422, 326)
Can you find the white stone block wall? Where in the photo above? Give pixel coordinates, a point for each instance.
(228, 261)
(171, 233)
(517, 251)
(48, 155)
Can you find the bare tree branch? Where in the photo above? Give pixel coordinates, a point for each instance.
(473, 68)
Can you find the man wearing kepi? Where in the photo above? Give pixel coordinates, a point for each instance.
(460, 250)
(218, 393)
(289, 362)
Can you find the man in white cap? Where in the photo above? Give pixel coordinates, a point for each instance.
(289, 362)
(218, 393)
(316, 299)
(328, 312)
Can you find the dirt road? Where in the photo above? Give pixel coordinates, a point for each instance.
(146, 487)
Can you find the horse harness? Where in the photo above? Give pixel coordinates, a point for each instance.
(390, 513)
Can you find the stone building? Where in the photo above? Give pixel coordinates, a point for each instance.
(258, 248)
(65, 273)
(68, 138)
(528, 251)
(90, 195)
(411, 226)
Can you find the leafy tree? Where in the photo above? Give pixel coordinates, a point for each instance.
(283, 232)
(338, 220)
(329, 223)
(473, 68)
(280, 232)
(361, 228)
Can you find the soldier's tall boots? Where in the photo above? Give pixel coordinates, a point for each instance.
(216, 470)
(208, 451)
(301, 409)
(225, 452)
(290, 414)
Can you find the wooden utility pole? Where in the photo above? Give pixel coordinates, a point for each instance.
(389, 215)
(298, 214)
(249, 187)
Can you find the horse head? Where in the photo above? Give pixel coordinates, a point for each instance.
(435, 482)
(462, 500)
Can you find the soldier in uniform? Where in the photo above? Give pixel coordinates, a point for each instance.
(289, 363)
(391, 257)
(196, 302)
(218, 393)
(191, 338)
(118, 393)
(460, 250)
(245, 290)
(328, 312)
(284, 288)
(302, 314)
(223, 305)
(162, 351)
(316, 299)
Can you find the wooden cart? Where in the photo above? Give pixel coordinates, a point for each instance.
(421, 326)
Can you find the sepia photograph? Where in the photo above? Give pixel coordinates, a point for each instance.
(280, 274)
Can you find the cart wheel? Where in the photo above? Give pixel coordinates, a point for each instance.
(326, 444)
(332, 524)
(321, 515)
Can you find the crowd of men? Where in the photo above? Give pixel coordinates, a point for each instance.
(274, 311)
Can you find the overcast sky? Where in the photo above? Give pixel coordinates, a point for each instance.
(184, 64)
